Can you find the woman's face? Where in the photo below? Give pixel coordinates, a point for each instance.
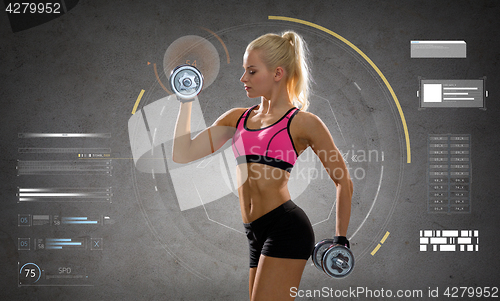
(257, 78)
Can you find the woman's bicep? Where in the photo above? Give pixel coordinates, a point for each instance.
(224, 127)
(212, 138)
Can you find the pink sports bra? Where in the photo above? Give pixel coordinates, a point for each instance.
(271, 145)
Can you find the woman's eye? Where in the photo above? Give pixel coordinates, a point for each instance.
(251, 72)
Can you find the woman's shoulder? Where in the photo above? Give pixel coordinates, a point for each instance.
(307, 128)
(307, 120)
(230, 117)
(235, 113)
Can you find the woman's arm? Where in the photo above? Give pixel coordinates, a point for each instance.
(207, 141)
(321, 141)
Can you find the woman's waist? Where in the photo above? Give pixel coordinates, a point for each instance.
(256, 205)
(261, 177)
(270, 216)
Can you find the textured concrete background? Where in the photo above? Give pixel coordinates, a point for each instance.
(82, 72)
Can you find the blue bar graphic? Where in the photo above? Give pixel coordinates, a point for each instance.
(64, 244)
(79, 222)
(75, 218)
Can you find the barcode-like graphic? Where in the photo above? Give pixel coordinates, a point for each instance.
(449, 240)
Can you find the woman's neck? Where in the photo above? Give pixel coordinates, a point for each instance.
(277, 102)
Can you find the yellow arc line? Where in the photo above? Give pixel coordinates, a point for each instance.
(381, 243)
(376, 249)
(403, 120)
(385, 237)
(137, 102)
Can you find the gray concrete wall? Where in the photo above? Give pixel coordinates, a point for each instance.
(82, 72)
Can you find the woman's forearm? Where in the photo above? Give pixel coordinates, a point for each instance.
(343, 209)
(182, 133)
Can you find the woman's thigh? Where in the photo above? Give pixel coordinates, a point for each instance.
(275, 277)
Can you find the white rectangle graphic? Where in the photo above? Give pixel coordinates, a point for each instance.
(438, 49)
(450, 233)
(432, 93)
(464, 240)
(447, 248)
(438, 240)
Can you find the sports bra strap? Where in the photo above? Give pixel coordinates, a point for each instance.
(248, 111)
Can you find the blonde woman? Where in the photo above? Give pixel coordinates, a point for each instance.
(267, 139)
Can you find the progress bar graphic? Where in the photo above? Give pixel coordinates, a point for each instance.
(62, 150)
(71, 167)
(67, 194)
(78, 220)
(66, 243)
(64, 135)
(74, 244)
(30, 220)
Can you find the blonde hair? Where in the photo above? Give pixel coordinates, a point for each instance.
(288, 51)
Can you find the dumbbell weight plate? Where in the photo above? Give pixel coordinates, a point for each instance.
(319, 250)
(338, 261)
(186, 81)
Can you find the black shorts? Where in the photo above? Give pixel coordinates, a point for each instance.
(284, 232)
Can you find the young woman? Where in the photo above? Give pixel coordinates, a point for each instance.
(267, 139)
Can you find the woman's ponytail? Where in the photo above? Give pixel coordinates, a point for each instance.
(299, 81)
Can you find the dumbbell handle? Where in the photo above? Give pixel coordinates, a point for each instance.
(341, 263)
(184, 100)
(341, 240)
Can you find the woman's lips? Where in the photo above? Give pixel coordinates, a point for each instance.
(247, 88)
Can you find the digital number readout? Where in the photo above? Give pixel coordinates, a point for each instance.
(34, 8)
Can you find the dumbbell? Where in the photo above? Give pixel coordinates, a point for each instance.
(186, 81)
(335, 260)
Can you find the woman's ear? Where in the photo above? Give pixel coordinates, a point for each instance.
(279, 73)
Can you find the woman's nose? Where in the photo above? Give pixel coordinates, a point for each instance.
(243, 78)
